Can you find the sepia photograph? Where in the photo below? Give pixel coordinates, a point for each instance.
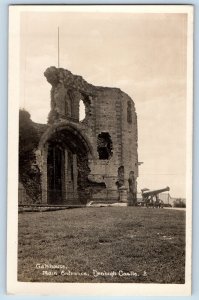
(100, 149)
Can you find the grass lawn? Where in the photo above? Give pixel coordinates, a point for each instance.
(122, 244)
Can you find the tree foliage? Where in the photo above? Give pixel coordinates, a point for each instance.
(179, 203)
(29, 173)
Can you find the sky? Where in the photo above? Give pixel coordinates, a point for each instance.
(142, 54)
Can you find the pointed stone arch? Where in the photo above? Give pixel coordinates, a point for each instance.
(63, 151)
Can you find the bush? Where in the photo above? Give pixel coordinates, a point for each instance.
(29, 174)
(179, 203)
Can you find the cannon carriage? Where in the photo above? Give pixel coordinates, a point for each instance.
(151, 197)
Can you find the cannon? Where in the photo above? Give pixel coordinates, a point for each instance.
(147, 192)
(151, 197)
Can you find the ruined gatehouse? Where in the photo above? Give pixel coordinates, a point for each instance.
(94, 159)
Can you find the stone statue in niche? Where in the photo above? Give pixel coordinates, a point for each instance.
(132, 189)
(120, 182)
(129, 112)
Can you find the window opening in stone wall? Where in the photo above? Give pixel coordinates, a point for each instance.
(104, 145)
(82, 110)
(129, 112)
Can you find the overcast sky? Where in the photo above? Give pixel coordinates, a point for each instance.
(142, 54)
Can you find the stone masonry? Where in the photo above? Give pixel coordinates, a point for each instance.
(92, 159)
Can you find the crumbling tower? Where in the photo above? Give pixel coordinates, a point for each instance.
(92, 159)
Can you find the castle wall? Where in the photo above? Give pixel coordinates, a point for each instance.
(110, 126)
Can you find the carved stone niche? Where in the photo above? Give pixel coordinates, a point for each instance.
(120, 181)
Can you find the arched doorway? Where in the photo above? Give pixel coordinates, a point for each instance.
(66, 153)
(55, 173)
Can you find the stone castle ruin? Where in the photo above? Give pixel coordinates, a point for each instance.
(94, 159)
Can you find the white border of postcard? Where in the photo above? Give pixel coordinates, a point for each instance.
(97, 289)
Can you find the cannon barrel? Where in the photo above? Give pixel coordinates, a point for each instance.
(154, 192)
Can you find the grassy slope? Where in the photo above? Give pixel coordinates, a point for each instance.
(105, 239)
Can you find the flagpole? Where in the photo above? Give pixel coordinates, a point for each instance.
(58, 46)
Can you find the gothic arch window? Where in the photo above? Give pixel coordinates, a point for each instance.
(84, 107)
(82, 110)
